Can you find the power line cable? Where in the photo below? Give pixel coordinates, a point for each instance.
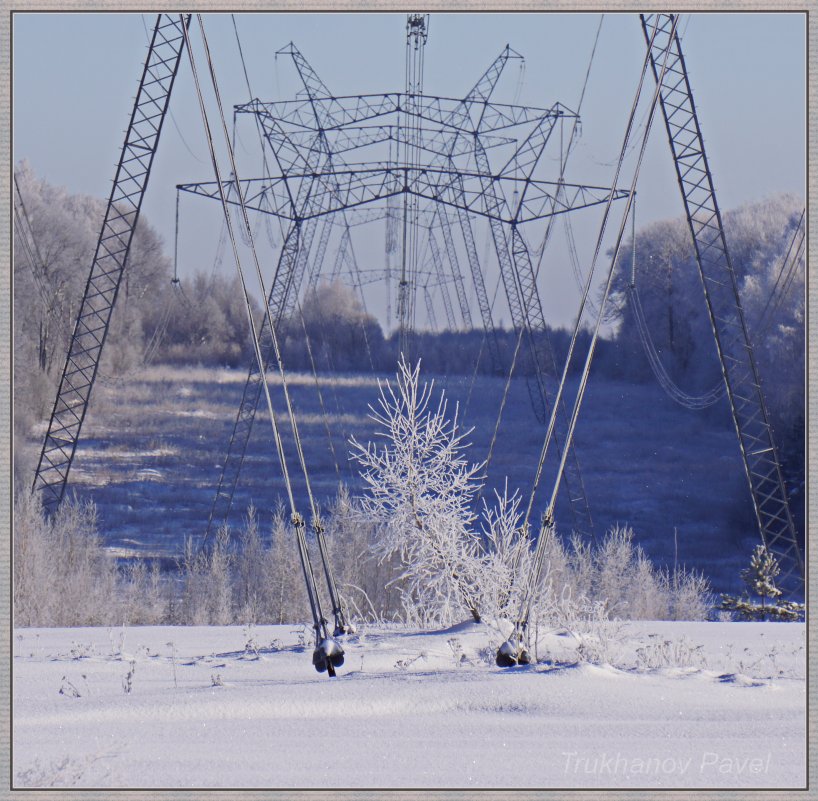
(341, 625)
(514, 650)
(322, 656)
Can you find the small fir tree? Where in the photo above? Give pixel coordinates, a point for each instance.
(761, 574)
(759, 578)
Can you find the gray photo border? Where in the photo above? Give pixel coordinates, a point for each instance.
(9, 7)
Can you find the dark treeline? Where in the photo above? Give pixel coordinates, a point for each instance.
(336, 335)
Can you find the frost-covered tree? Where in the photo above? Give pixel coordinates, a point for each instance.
(671, 294)
(208, 324)
(772, 293)
(55, 234)
(759, 578)
(420, 489)
(761, 574)
(341, 334)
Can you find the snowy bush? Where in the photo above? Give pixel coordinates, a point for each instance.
(591, 590)
(207, 598)
(265, 588)
(508, 555)
(589, 587)
(143, 594)
(285, 596)
(371, 585)
(239, 580)
(62, 575)
(690, 595)
(626, 581)
(618, 573)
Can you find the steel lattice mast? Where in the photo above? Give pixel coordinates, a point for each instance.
(735, 351)
(312, 139)
(110, 258)
(289, 273)
(411, 121)
(525, 304)
(471, 109)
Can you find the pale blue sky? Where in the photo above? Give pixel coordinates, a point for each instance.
(75, 76)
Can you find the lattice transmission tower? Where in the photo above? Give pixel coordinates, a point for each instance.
(341, 161)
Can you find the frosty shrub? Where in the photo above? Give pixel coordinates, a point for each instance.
(616, 564)
(591, 590)
(251, 586)
(626, 581)
(613, 580)
(62, 575)
(420, 490)
(207, 595)
(285, 597)
(240, 580)
(265, 588)
(508, 556)
(370, 585)
(690, 595)
(143, 595)
(582, 567)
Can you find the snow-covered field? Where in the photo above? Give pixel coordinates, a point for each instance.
(717, 705)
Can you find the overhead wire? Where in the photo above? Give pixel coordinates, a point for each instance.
(155, 341)
(338, 612)
(715, 393)
(788, 264)
(671, 388)
(663, 377)
(541, 250)
(785, 289)
(587, 290)
(547, 525)
(221, 246)
(249, 238)
(483, 342)
(53, 302)
(319, 622)
(28, 241)
(314, 370)
(259, 127)
(176, 283)
(314, 275)
(356, 279)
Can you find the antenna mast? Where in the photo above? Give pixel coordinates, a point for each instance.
(417, 32)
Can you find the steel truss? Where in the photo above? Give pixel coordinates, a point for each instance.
(735, 351)
(464, 159)
(110, 258)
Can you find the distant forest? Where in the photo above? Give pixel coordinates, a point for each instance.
(202, 321)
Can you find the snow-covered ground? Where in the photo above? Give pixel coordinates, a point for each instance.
(718, 705)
